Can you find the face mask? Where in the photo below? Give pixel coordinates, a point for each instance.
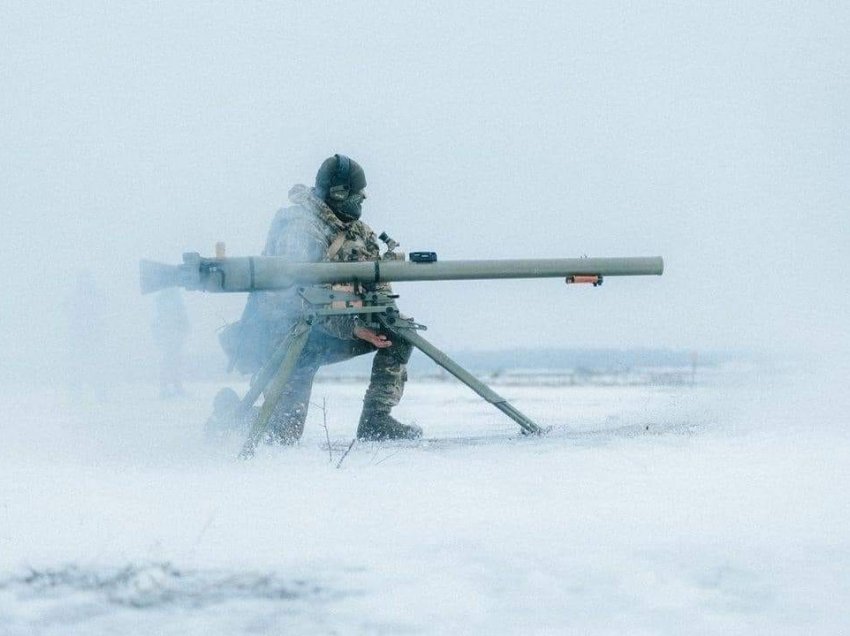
(348, 209)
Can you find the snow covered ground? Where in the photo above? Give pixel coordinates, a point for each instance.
(720, 508)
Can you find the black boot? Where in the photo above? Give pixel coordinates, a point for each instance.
(226, 417)
(223, 418)
(377, 424)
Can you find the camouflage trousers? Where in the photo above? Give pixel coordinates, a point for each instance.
(386, 385)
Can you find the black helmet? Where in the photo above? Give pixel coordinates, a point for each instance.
(339, 183)
(338, 176)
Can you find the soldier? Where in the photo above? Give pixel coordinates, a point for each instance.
(170, 329)
(323, 224)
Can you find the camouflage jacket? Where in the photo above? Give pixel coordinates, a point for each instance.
(304, 232)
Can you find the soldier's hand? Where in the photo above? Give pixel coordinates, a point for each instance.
(379, 340)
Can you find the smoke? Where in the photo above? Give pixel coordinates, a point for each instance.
(716, 139)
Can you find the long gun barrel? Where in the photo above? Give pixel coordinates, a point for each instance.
(266, 273)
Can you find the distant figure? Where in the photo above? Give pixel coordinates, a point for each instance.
(85, 313)
(170, 330)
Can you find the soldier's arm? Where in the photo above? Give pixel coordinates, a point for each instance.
(295, 238)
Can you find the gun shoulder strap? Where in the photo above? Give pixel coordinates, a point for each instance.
(336, 245)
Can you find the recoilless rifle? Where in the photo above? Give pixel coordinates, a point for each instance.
(333, 289)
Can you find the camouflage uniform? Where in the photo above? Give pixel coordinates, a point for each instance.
(306, 232)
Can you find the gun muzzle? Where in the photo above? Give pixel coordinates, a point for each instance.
(154, 276)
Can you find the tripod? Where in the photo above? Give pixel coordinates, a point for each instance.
(379, 308)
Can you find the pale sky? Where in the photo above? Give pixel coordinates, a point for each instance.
(716, 135)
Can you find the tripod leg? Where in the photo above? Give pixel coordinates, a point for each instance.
(294, 345)
(262, 379)
(413, 337)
